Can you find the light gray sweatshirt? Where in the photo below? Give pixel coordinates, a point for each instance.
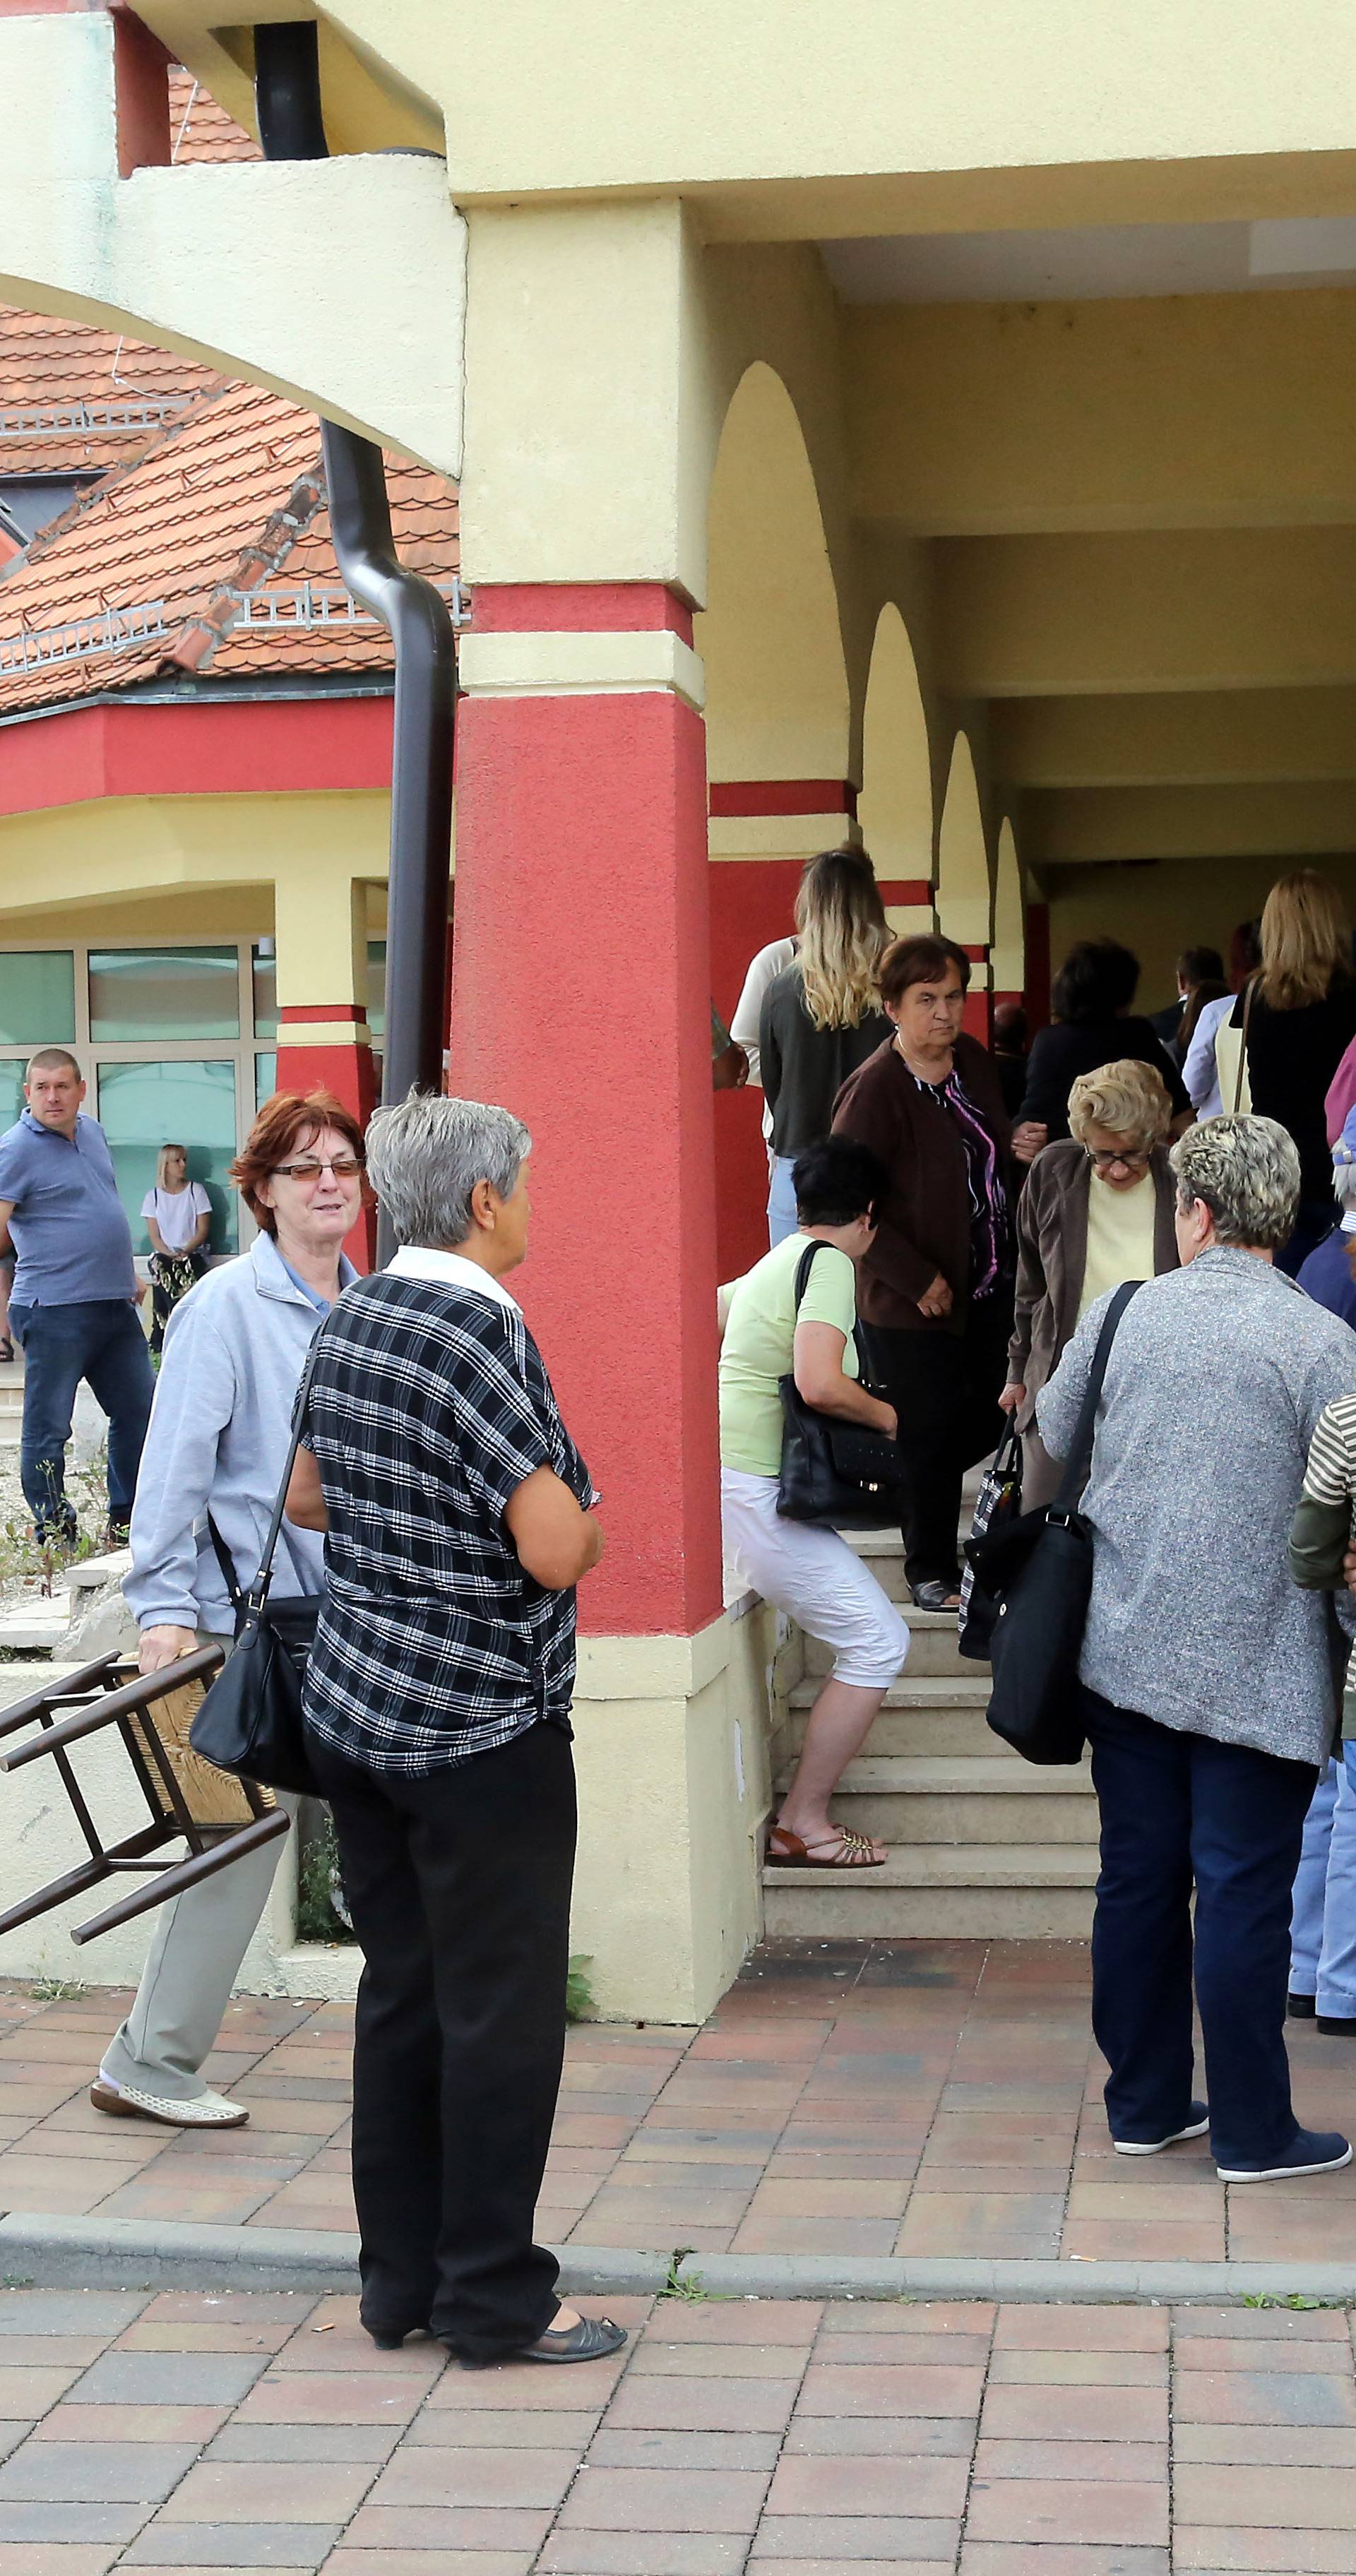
(1217, 1377)
(218, 1438)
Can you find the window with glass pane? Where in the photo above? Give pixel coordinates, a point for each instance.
(265, 967)
(376, 990)
(37, 997)
(11, 1090)
(150, 993)
(145, 1106)
(265, 1079)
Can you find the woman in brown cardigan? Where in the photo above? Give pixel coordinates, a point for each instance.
(1097, 1209)
(935, 1288)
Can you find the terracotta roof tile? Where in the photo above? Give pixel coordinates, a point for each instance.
(114, 394)
(224, 514)
(200, 130)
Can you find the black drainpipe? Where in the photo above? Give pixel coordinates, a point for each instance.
(287, 97)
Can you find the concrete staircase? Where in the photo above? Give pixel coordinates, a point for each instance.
(982, 1844)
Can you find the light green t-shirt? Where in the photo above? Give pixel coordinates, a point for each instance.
(757, 1349)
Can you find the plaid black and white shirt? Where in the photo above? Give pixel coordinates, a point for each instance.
(428, 1408)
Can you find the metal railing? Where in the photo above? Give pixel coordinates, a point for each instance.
(110, 630)
(60, 420)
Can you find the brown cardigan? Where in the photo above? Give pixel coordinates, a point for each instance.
(1052, 1254)
(924, 1223)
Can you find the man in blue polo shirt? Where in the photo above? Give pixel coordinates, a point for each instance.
(73, 1307)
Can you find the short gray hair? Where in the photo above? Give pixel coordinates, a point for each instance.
(1247, 1172)
(425, 1156)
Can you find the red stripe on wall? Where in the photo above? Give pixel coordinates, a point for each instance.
(906, 890)
(782, 796)
(260, 748)
(976, 956)
(579, 608)
(293, 1014)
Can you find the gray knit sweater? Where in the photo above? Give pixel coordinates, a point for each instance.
(1217, 1377)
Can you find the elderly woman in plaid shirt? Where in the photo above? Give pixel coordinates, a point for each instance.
(457, 1512)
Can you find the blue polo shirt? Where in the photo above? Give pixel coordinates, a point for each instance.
(72, 1238)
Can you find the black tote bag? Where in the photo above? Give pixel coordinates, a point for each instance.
(250, 1720)
(1038, 1573)
(997, 1505)
(841, 1475)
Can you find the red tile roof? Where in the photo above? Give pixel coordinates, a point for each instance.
(200, 130)
(217, 529)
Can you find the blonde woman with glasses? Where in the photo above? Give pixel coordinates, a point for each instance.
(822, 1017)
(1097, 1209)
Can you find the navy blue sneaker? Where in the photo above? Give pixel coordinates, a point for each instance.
(1309, 2151)
(1197, 2122)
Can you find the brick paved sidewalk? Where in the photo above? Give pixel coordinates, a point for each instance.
(187, 2432)
(853, 2098)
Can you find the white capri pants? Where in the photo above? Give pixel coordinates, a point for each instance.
(816, 1577)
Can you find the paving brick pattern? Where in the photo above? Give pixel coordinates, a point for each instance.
(188, 2431)
(861, 2098)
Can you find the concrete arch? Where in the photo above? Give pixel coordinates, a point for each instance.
(895, 807)
(777, 701)
(964, 892)
(1009, 920)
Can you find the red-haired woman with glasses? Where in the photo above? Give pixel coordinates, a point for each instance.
(215, 1450)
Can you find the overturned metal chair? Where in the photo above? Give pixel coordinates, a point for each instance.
(188, 1800)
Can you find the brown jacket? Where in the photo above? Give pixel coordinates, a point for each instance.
(1052, 1254)
(924, 1223)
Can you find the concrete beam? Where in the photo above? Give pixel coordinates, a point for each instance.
(1199, 739)
(1189, 822)
(284, 273)
(1184, 411)
(1092, 616)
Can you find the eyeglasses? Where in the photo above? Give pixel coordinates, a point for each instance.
(1105, 1157)
(345, 1167)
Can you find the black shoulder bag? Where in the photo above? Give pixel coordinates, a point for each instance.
(250, 1720)
(1038, 1573)
(839, 1474)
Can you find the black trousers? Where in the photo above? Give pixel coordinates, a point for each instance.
(1178, 1808)
(944, 1388)
(459, 1887)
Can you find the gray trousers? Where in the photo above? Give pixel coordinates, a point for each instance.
(190, 1973)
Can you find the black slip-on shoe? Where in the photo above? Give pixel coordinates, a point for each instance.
(1301, 2008)
(591, 2340)
(1310, 2151)
(1335, 2025)
(1197, 2122)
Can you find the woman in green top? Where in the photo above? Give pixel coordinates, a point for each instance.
(810, 1573)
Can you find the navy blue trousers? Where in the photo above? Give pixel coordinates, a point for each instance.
(100, 1340)
(1178, 1809)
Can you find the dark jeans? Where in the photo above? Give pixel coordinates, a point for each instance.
(459, 1887)
(944, 1388)
(102, 1341)
(1178, 1807)
(1313, 1220)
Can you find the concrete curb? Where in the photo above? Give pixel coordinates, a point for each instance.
(140, 2253)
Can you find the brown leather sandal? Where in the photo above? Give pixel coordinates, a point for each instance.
(853, 1851)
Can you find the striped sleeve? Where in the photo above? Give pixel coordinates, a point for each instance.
(1330, 1476)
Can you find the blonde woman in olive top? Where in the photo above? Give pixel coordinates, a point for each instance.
(810, 1573)
(1097, 1209)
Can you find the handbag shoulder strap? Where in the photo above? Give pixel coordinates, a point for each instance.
(227, 1564)
(804, 1267)
(259, 1587)
(1243, 1044)
(1079, 1460)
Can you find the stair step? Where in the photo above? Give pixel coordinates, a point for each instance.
(37, 1623)
(831, 1910)
(1040, 1891)
(994, 1800)
(930, 1650)
(928, 1691)
(944, 1734)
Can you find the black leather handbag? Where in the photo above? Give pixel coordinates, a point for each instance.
(997, 1505)
(839, 1474)
(250, 1720)
(1037, 1572)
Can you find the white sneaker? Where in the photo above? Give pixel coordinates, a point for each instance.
(204, 2111)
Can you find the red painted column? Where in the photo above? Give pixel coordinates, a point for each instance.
(581, 990)
(978, 1017)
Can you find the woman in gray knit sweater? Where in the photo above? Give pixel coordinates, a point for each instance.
(1207, 1675)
